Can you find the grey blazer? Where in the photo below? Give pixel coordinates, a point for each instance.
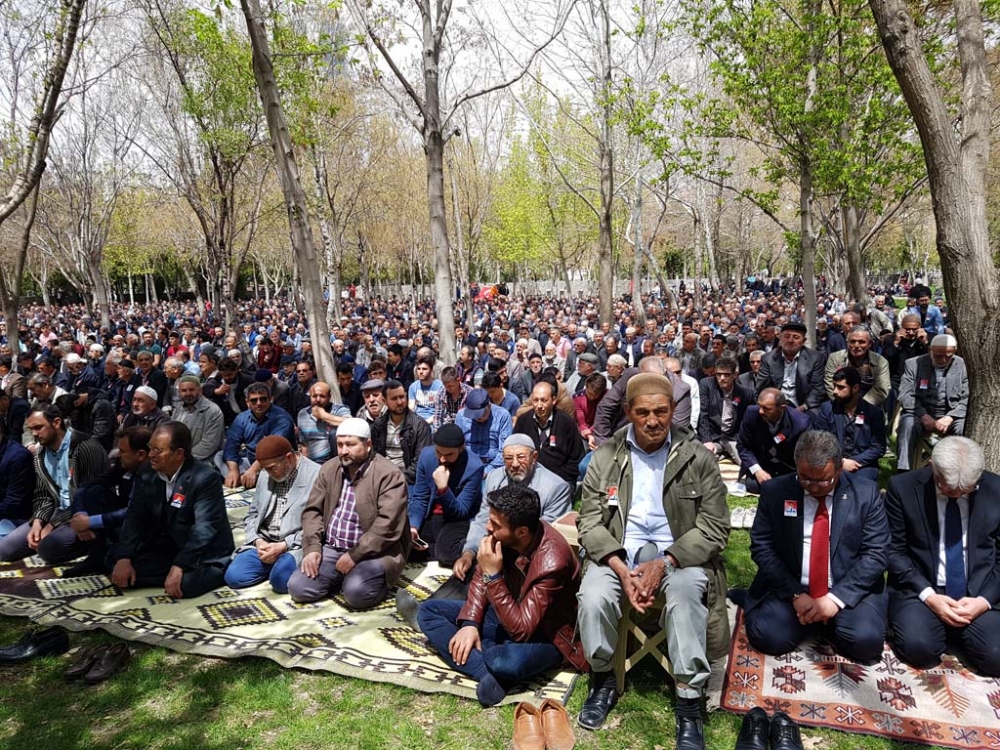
(918, 388)
(291, 519)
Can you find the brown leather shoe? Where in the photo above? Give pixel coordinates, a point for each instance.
(556, 726)
(85, 661)
(528, 728)
(108, 663)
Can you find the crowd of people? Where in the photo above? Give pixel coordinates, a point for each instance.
(120, 442)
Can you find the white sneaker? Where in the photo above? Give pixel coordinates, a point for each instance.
(736, 517)
(748, 517)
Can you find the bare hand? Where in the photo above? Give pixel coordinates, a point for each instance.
(849, 464)
(310, 564)
(222, 389)
(463, 564)
(823, 609)
(172, 586)
(490, 555)
(35, 535)
(761, 476)
(269, 553)
(943, 425)
(233, 479)
(345, 564)
(947, 610)
(592, 443)
(123, 575)
(647, 578)
(440, 477)
(318, 412)
(86, 536)
(971, 607)
(462, 643)
(79, 522)
(249, 478)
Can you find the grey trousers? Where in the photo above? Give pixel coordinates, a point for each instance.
(685, 619)
(363, 587)
(910, 432)
(727, 449)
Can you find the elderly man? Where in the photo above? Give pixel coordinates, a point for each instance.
(813, 574)
(586, 365)
(794, 369)
(146, 374)
(748, 379)
(858, 425)
(518, 619)
(13, 412)
(560, 447)
(944, 567)
(445, 496)
(873, 367)
(11, 381)
(261, 419)
(318, 422)
(767, 437)
(374, 400)
(934, 396)
(654, 522)
(354, 535)
(450, 400)
(176, 533)
(485, 428)
(203, 418)
(273, 547)
(143, 411)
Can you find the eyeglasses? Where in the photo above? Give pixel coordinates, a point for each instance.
(806, 482)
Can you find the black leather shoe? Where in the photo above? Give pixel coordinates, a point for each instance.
(600, 700)
(85, 661)
(108, 663)
(690, 734)
(754, 731)
(34, 644)
(785, 733)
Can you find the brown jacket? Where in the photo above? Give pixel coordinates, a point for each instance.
(535, 594)
(380, 497)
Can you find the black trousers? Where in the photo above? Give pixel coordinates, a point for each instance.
(152, 566)
(856, 633)
(919, 637)
(446, 540)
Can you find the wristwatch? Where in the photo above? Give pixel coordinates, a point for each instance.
(490, 578)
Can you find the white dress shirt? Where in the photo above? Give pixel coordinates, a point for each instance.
(809, 518)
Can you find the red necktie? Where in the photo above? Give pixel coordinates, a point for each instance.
(819, 553)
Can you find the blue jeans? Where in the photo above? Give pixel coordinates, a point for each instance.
(246, 569)
(508, 661)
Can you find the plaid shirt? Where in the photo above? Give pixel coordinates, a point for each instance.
(270, 526)
(445, 409)
(344, 531)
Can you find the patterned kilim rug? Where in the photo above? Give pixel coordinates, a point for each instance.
(374, 645)
(947, 706)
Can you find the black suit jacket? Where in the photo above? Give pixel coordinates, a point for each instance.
(809, 370)
(710, 418)
(193, 529)
(859, 541)
(156, 380)
(869, 438)
(911, 505)
(755, 441)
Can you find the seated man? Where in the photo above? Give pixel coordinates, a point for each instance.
(723, 403)
(859, 355)
(556, 436)
(814, 574)
(485, 428)
(446, 496)
(934, 397)
(65, 462)
(202, 417)
(273, 525)
(794, 369)
(944, 566)
(262, 418)
(858, 425)
(767, 437)
(13, 412)
(143, 411)
(519, 617)
(17, 482)
(318, 423)
(653, 527)
(176, 532)
(354, 535)
(399, 434)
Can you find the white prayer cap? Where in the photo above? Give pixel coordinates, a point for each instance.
(945, 339)
(354, 427)
(148, 392)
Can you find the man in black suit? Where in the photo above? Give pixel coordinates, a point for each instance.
(176, 533)
(820, 541)
(794, 369)
(723, 403)
(944, 563)
(767, 438)
(858, 424)
(148, 375)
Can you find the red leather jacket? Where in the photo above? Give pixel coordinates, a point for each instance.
(535, 595)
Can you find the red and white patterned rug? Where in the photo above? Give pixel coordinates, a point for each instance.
(947, 706)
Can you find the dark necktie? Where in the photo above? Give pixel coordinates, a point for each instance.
(954, 572)
(819, 553)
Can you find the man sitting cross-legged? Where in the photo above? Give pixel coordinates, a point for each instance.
(354, 532)
(518, 619)
(176, 533)
(273, 525)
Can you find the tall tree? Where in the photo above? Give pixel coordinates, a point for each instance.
(956, 152)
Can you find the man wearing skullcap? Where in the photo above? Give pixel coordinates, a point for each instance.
(653, 523)
(354, 532)
(273, 525)
(794, 369)
(446, 495)
(933, 395)
(144, 411)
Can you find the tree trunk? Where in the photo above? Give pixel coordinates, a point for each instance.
(638, 308)
(10, 291)
(295, 198)
(102, 299)
(464, 261)
(857, 288)
(957, 165)
(807, 236)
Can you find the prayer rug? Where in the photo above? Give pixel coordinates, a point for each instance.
(947, 706)
(373, 645)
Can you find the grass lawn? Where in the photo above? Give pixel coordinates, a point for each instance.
(182, 702)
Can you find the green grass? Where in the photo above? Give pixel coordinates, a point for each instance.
(171, 701)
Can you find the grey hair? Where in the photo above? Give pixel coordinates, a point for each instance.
(958, 462)
(860, 329)
(651, 364)
(816, 448)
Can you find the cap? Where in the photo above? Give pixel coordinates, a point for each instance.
(354, 427)
(262, 376)
(519, 438)
(148, 392)
(476, 403)
(590, 358)
(373, 384)
(793, 326)
(271, 447)
(73, 359)
(448, 436)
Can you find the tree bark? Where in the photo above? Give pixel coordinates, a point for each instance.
(957, 160)
(307, 261)
(10, 292)
(606, 271)
(857, 288)
(807, 236)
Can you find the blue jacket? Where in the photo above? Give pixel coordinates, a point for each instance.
(933, 323)
(869, 437)
(246, 430)
(460, 502)
(17, 481)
